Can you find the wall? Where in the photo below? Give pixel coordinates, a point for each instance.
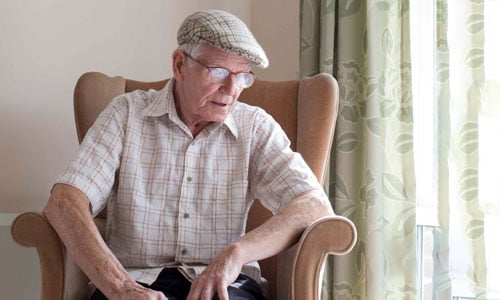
(46, 45)
(276, 26)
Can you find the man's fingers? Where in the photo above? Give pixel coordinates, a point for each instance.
(200, 290)
(207, 293)
(205, 290)
(222, 292)
(204, 294)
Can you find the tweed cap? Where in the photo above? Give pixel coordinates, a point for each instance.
(222, 30)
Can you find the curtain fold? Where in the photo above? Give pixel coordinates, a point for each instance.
(460, 266)
(365, 45)
(441, 279)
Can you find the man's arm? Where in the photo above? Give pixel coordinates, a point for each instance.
(68, 212)
(275, 235)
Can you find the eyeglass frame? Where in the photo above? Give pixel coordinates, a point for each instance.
(225, 70)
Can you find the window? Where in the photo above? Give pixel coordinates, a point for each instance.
(489, 146)
(423, 37)
(422, 40)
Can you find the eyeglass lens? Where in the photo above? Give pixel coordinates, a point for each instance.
(219, 74)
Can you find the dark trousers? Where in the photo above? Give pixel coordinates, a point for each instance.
(176, 287)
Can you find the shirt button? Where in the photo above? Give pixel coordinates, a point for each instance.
(189, 179)
(184, 251)
(186, 215)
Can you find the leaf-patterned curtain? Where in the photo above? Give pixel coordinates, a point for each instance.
(365, 45)
(460, 83)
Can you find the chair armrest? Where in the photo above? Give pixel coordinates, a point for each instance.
(331, 235)
(34, 230)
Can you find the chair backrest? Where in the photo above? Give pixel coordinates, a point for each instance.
(306, 109)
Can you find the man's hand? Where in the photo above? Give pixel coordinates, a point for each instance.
(68, 212)
(278, 233)
(219, 274)
(137, 292)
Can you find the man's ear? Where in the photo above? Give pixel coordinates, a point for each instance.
(178, 59)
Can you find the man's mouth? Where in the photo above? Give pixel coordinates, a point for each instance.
(220, 104)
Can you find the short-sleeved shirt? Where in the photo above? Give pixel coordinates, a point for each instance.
(177, 200)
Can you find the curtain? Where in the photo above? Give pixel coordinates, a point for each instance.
(460, 259)
(365, 45)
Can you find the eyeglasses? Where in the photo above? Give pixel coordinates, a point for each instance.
(218, 75)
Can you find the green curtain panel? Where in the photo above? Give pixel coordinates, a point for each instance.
(441, 280)
(366, 46)
(460, 79)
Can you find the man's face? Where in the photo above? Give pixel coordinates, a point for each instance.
(199, 100)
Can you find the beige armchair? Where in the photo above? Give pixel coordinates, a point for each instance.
(307, 111)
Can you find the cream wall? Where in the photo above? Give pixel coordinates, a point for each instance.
(276, 26)
(45, 45)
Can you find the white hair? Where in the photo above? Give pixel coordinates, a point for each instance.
(191, 49)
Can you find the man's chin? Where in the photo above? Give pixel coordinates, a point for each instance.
(220, 116)
(219, 119)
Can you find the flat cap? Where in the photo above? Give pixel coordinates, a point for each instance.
(222, 30)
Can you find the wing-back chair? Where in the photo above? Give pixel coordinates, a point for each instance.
(307, 111)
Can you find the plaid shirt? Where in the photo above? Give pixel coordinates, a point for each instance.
(181, 200)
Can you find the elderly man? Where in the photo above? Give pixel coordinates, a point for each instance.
(178, 170)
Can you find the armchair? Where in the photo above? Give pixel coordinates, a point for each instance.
(307, 111)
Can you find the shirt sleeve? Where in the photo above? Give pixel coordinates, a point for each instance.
(94, 167)
(277, 174)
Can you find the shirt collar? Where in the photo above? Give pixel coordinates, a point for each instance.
(163, 103)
